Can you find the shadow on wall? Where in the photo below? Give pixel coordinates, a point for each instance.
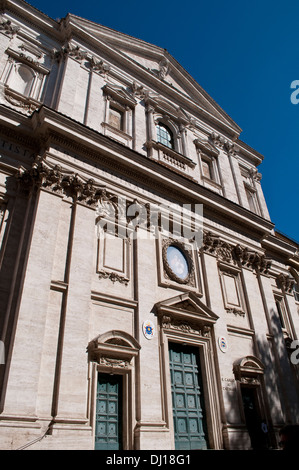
(270, 400)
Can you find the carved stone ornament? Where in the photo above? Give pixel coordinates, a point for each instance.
(250, 381)
(235, 311)
(69, 50)
(286, 282)
(25, 104)
(6, 27)
(107, 205)
(252, 259)
(184, 326)
(71, 185)
(163, 68)
(75, 52)
(256, 176)
(214, 245)
(98, 65)
(113, 277)
(168, 270)
(139, 91)
(222, 143)
(114, 349)
(235, 254)
(114, 363)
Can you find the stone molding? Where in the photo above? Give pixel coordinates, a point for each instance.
(185, 313)
(190, 279)
(114, 349)
(206, 147)
(249, 370)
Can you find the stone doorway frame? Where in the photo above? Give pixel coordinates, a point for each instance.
(186, 320)
(114, 352)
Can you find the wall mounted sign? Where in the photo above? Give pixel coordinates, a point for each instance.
(222, 343)
(148, 329)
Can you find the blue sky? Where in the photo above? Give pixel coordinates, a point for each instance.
(244, 54)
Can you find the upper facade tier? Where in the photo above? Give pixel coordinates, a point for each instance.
(133, 93)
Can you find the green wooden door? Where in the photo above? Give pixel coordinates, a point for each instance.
(187, 399)
(108, 435)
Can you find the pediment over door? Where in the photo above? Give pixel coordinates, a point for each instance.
(186, 312)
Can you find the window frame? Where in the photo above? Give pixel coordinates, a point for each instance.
(207, 153)
(118, 99)
(14, 62)
(168, 131)
(252, 199)
(115, 107)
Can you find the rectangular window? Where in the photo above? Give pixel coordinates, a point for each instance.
(116, 118)
(279, 302)
(251, 199)
(296, 292)
(206, 169)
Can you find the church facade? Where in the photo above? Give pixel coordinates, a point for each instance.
(147, 300)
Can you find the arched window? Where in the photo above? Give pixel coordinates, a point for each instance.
(164, 135)
(296, 291)
(23, 79)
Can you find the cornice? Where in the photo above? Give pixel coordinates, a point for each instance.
(286, 249)
(32, 15)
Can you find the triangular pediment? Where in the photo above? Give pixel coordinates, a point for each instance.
(188, 307)
(206, 147)
(120, 93)
(157, 62)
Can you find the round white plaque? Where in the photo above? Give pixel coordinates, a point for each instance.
(148, 329)
(222, 343)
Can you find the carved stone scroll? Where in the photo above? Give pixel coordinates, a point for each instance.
(71, 185)
(286, 282)
(235, 254)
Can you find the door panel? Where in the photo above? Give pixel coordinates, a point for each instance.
(108, 435)
(187, 399)
(253, 418)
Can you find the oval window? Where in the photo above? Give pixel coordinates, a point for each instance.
(177, 262)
